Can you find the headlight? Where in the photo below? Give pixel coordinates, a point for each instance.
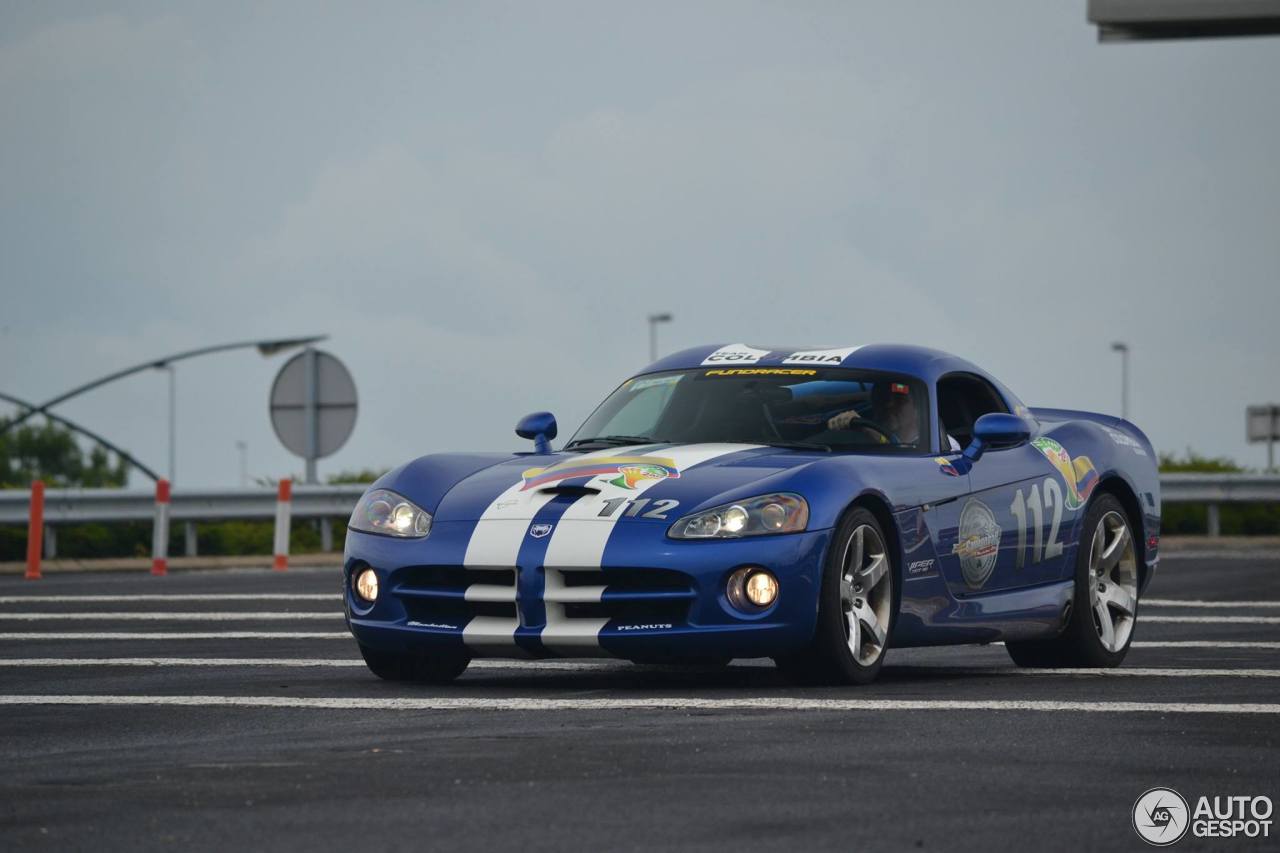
(780, 513)
(381, 511)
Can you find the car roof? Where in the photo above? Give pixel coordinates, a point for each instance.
(922, 362)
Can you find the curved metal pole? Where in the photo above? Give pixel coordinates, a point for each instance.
(264, 347)
(123, 454)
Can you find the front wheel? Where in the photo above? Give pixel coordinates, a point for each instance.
(407, 666)
(855, 608)
(1104, 607)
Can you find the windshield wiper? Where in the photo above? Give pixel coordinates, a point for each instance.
(618, 440)
(793, 445)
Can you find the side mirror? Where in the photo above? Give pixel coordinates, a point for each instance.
(540, 427)
(996, 430)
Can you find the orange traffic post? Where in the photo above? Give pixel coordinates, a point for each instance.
(160, 531)
(284, 498)
(35, 530)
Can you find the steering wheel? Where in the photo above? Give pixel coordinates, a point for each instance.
(872, 426)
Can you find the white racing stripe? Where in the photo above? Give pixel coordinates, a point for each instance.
(230, 596)
(179, 635)
(151, 616)
(1215, 620)
(495, 544)
(581, 536)
(1176, 602)
(744, 703)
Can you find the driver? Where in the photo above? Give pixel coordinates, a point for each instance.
(891, 406)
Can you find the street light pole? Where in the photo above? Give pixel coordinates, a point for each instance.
(266, 348)
(173, 419)
(654, 320)
(243, 447)
(1123, 349)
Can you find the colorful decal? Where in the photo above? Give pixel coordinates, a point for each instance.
(632, 474)
(829, 357)
(979, 543)
(760, 371)
(899, 388)
(622, 471)
(1079, 474)
(945, 466)
(735, 354)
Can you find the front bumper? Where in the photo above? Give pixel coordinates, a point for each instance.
(651, 598)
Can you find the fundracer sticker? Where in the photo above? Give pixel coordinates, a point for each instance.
(979, 543)
(823, 357)
(1078, 474)
(760, 371)
(735, 354)
(622, 471)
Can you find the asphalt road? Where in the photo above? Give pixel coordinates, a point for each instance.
(202, 733)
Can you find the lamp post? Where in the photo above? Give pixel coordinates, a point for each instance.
(173, 429)
(266, 348)
(243, 447)
(1123, 349)
(654, 320)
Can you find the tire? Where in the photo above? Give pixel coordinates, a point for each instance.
(1104, 606)
(422, 668)
(856, 608)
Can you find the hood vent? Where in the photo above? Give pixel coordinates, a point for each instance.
(575, 491)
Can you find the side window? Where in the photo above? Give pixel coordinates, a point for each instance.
(962, 399)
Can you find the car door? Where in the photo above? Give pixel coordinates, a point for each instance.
(1009, 528)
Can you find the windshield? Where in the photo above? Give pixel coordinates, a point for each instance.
(831, 408)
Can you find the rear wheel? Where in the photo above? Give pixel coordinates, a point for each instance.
(1104, 607)
(409, 666)
(855, 608)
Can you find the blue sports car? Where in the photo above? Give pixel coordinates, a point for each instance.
(814, 506)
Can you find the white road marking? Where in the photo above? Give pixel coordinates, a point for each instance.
(1127, 672)
(1222, 554)
(1176, 602)
(1122, 672)
(180, 635)
(151, 616)
(288, 662)
(229, 596)
(761, 703)
(1215, 620)
(1205, 644)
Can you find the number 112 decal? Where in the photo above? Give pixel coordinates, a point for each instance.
(1032, 504)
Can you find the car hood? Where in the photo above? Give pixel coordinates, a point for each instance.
(692, 476)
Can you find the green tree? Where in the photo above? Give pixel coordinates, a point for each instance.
(51, 453)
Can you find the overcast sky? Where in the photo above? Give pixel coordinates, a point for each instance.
(480, 203)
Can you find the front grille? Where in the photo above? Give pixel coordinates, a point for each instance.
(577, 602)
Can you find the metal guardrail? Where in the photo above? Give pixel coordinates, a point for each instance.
(73, 506)
(69, 506)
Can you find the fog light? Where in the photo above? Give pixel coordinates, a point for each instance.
(367, 585)
(762, 588)
(751, 589)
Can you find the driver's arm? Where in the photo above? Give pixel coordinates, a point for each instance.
(842, 420)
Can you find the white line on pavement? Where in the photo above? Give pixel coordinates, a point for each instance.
(1205, 644)
(1177, 602)
(229, 596)
(1216, 620)
(762, 703)
(179, 635)
(1123, 672)
(151, 616)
